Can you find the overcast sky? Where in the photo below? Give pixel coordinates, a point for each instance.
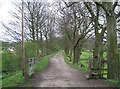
(5, 7)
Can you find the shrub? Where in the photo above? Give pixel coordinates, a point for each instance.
(31, 49)
(9, 62)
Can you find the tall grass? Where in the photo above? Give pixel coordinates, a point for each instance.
(10, 63)
(13, 80)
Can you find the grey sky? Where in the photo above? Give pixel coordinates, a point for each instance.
(5, 8)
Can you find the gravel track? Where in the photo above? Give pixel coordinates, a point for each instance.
(60, 74)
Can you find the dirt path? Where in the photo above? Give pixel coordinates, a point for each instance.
(59, 74)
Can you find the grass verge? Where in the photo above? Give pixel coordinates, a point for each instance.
(84, 62)
(13, 80)
(43, 63)
(76, 66)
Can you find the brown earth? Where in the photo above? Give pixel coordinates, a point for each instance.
(60, 74)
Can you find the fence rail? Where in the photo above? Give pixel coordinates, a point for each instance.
(31, 63)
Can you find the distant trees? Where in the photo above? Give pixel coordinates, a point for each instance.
(39, 23)
(76, 27)
(39, 29)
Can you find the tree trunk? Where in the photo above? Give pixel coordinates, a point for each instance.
(66, 51)
(76, 55)
(47, 49)
(41, 42)
(38, 46)
(101, 59)
(96, 47)
(98, 52)
(96, 59)
(112, 48)
(119, 71)
(33, 28)
(66, 47)
(70, 55)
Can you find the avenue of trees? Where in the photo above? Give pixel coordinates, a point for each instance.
(83, 20)
(49, 27)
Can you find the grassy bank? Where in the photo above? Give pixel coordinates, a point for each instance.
(17, 78)
(82, 64)
(43, 63)
(84, 61)
(13, 80)
(77, 66)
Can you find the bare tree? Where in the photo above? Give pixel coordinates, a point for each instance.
(77, 28)
(112, 48)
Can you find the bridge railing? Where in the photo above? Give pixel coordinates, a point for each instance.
(31, 63)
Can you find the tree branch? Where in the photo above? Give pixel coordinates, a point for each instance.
(115, 4)
(118, 15)
(70, 4)
(103, 6)
(90, 10)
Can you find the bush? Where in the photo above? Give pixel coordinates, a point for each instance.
(31, 49)
(9, 62)
(13, 80)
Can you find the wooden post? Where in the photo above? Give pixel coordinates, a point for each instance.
(24, 63)
(118, 70)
